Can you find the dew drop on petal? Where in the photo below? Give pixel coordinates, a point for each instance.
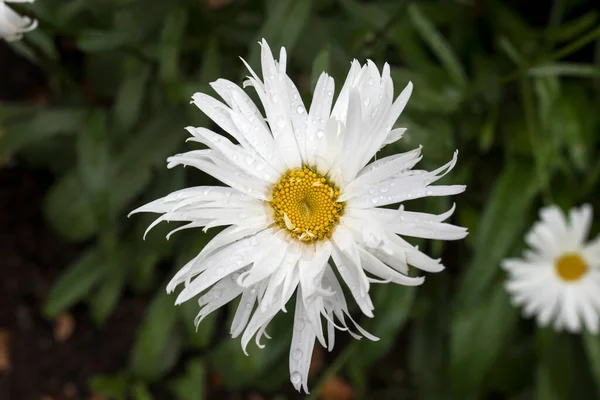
(300, 110)
(296, 378)
(297, 354)
(429, 193)
(299, 325)
(249, 160)
(374, 200)
(320, 134)
(370, 82)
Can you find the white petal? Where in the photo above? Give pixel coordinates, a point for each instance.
(303, 342)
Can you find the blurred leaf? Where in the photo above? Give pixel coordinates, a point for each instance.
(554, 380)
(94, 164)
(236, 369)
(570, 30)
(499, 228)
(158, 343)
(320, 65)
(190, 385)
(170, 45)
(392, 304)
(478, 336)
(67, 208)
(113, 387)
(44, 123)
(140, 392)
(567, 69)
(130, 96)
(75, 282)
(282, 27)
(438, 44)
(591, 342)
(106, 298)
(43, 42)
(98, 41)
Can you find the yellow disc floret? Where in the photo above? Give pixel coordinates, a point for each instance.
(571, 267)
(306, 204)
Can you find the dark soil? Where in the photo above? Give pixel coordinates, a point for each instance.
(40, 366)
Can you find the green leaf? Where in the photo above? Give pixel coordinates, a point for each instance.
(283, 26)
(566, 69)
(191, 385)
(440, 47)
(106, 298)
(92, 41)
(68, 210)
(393, 304)
(130, 96)
(113, 387)
(592, 348)
(140, 391)
(235, 368)
(320, 65)
(43, 42)
(554, 380)
(94, 164)
(478, 336)
(158, 341)
(170, 44)
(499, 228)
(42, 123)
(75, 282)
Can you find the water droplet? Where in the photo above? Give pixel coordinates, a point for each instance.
(384, 189)
(409, 196)
(280, 121)
(249, 305)
(297, 354)
(253, 290)
(299, 324)
(329, 93)
(374, 200)
(295, 378)
(295, 96)
(429, 193)
(300, 110)
(274, 98)
(372, 191)
(370, 82)
(367, 101)
(249, 160)
(320, 134)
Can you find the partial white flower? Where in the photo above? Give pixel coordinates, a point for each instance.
(558, 280)
(13, 25)
(302, 204)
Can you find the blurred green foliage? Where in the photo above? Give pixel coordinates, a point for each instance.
(516, 93)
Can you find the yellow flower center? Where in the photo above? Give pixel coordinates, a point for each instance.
(571, 267)
(305, 204)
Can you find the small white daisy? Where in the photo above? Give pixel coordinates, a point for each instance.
(301, 194)
(559, 279)
(13, 25)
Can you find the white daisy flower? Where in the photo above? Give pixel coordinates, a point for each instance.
(301, 194)
(559, 279)
(13, 25)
